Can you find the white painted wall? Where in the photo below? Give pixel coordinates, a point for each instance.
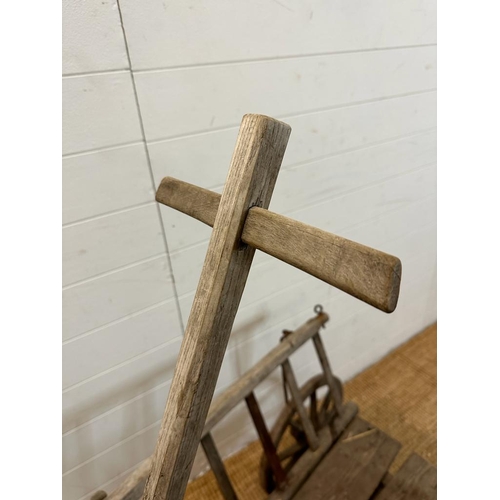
(159, 88)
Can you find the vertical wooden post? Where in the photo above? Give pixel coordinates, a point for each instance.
(252, 175)
(312, 437)
(325, 364)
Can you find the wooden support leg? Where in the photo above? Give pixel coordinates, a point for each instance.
(218, 468)
(267, 442)
(291, 381)
(325, 364)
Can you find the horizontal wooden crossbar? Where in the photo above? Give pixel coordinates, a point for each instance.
(363, 272)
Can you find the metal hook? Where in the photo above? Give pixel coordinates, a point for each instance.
(318, 308)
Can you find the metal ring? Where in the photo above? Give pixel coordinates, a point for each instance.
(318, 308)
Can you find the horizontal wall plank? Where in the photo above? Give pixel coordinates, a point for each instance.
(98, 111)
(105, 181)
(103, 468)
(126, 381)
(318, 180)
(92, 37)
(204, 159)
(181, 33)
(314, 136)
(103, 349)
(100, 245)
(97, 302)
(299, 86)
(333, 215)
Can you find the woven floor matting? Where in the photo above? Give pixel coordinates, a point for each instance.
(398, 395)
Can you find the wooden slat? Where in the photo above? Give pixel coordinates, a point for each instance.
(415, 480)
(363, 272)
(325, 364)
(307, 425)
(354, 466)
(218, 468)
(254, 168)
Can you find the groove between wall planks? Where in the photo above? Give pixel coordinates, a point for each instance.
(323, 27)
(334, 133)
(300, 86)
(118, 290)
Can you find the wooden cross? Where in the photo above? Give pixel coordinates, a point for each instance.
(241, 223)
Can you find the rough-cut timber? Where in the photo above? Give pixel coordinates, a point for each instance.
(363, 272)
(252, 175)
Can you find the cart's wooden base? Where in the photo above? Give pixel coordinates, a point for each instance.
(356, 469)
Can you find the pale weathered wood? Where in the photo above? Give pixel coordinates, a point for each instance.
(307, 425)
(218, 468)
(254, 168)
(363, 272)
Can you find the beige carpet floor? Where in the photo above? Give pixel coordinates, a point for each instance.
(397, 394)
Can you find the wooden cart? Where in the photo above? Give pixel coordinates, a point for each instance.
(330, 452)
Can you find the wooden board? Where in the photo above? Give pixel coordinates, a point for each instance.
(363, 272)
(254, 168)
(415, 480)
(354, 467)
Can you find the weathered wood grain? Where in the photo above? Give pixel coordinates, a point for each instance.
(254, 168)
(415, 480)
(354, 467)
(363, 272)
